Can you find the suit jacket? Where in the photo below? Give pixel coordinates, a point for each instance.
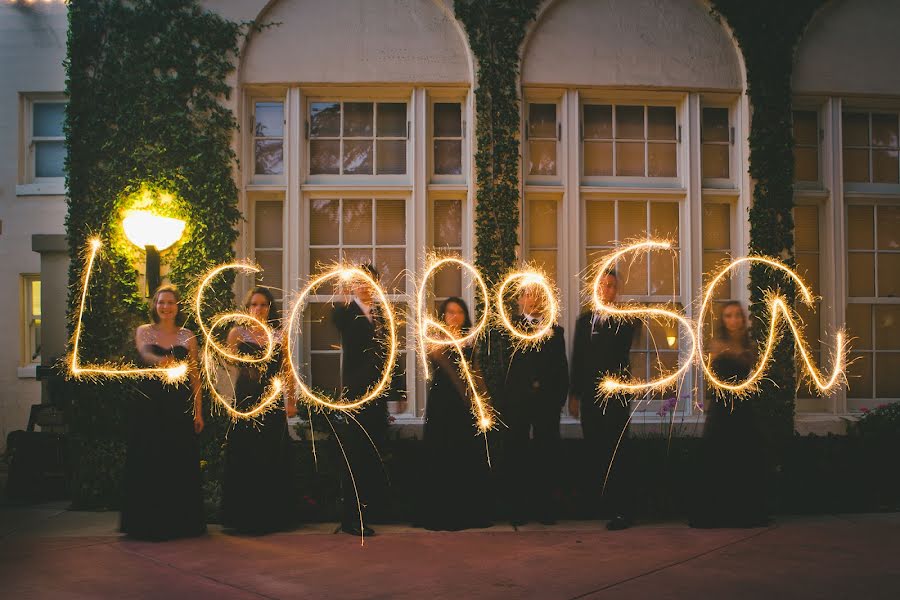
(600, 349)
(541, 372)
(361, 347)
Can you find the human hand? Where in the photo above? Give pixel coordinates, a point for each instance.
(574, 406)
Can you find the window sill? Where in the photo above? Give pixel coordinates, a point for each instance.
(27, 372)
(42, 189)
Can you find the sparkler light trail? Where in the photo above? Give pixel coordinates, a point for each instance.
(174, 374)
(528, 281)
(344, 274)
(212, 348)
(612, 385)
(778, 309)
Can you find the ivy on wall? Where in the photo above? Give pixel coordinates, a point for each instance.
(144, 129)
(496, 29)
(768, 33)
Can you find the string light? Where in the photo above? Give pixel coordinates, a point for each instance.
(173, 374)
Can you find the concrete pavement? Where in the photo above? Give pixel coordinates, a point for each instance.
(49, 552)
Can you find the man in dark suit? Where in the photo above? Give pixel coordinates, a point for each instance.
(602, 345)
(535, 388)
(363, 333)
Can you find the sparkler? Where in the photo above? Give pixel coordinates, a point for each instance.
(173, 374)
(779, 309)
(529, 280)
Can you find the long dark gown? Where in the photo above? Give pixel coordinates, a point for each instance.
(257, 490)
(732, 473)
(456, 491)
(162, 469)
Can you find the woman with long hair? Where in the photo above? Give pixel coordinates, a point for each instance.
(456, 476)
(162, 470)
(258, 490)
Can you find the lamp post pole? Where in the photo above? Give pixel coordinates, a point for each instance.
(152, 269)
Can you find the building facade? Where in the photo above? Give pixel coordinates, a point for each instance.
(357, 143)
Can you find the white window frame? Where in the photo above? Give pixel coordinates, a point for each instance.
(721, 182)
(816, 107)
(866, 106)
(435, 178)
(548, 96)
(29, 183)
(262, 179)
(30, 344)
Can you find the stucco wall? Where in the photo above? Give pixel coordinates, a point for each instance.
(851, 47)
(658, 43)
(32, 48)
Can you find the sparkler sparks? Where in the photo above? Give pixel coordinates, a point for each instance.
(533, 282)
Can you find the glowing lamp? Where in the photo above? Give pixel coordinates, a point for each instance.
(671, 339)
(154, 234)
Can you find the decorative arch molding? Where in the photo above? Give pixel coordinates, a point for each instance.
(850, 47)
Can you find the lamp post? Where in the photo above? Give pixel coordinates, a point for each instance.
(154, 234)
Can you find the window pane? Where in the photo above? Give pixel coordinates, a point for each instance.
(887, 384)
(448, 279)
(884, 130)
(269, 157)
(598, 159)
(357, 157)
(889, 227)
(630, 122)
(664, 220)
(270, 261)
(598, 121)
(324, 335)
(887, 327)
(390, 226)
(357, 222)
(806, 127)
(715, 125)
(324, 119)
(392, 264)
(661, 122)
(323, 222)
(49, 159)
(664, 276)
(36, 298)
(662, 160)
(325, 373)
(806, 164)
(861, 274)
(447, 223)
(321, 259)
(889, 275)
(357, 256)
(358, 119)
(885, 167)
(545, 260)
(48, 119)
(859, 325)
(859, 228)
(542, 223)
(447, 119)
(712, 263)
(859, 375)
(600, 225)
(542, 121)
(324, 157)
(391, 157)
(447, 157)
(716, 226)
(808, 268)
(806, 228)
(392, 119)
(632, 220)
(855, 129)
(630, 159)
(542, 158)
(267, 225)
(269, 119)
(856, 165)
(715, 161)
(632, 275)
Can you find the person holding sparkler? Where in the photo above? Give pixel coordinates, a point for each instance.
(455, 469)
(362, 329)
(602, 346)
(732, 469)
(535, 388)
(257, 490)
(162, 469)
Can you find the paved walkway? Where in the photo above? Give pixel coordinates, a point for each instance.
(48, 552)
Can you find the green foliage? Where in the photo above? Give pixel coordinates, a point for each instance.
(767, 33)
(145, 81)
(496, 29)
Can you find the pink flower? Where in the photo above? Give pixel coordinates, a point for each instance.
(864, 410)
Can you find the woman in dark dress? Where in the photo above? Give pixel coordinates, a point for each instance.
(258, 490)
(732, 466)
(456, 491)
(162, 470)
